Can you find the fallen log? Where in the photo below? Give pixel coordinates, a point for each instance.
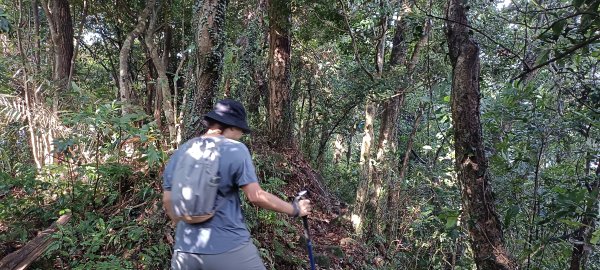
(23, 257)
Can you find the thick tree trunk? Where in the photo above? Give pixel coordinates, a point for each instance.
(471, 164)
(209, 23)
(280, 106)
(125, 87)
(58, 15)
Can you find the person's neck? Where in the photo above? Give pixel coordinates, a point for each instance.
(212, 133)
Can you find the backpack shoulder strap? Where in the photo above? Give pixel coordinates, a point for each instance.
(221, 139)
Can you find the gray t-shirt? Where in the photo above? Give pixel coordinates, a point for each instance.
(226, 230)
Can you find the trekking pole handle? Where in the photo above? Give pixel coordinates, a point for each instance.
(301, 195)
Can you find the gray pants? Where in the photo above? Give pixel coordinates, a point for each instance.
(244, 258)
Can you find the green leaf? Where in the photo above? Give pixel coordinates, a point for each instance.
(571, 223)
(75, 87)
(543, 56)
(451, 222)
(510, 214)
(595, 237)
(558, 27)
(577, 3)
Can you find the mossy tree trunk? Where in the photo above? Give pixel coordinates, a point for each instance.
(471, 164)
(209, 28)
(279, 106)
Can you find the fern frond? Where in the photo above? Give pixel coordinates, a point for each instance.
(12, 108)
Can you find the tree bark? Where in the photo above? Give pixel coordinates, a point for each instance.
(398, 54)
(280, 106)
(209, 23)
(581, 248)
(79, 40)
(385, 159)
(125, 87)
(366, 170)
(58, 15)
(471, 164)
(36, 24)
(35, 248)
(162, 81)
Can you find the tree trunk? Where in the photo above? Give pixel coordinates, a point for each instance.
(394, 191)
(252, 63)
(398, 54)
(34, 249)
(471, 164)
(280, 107)
(125, 87)
(338, 148)
(581, 248)
(58, 15)
(36, 24)
(370, 181)
(163, 87)
(28, 94)
(366, 169)
(381, 40)
(385, 160)
(209, 23)
(422, 41)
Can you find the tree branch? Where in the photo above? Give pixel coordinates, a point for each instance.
(474, 29)
(356, 53)
(558, 57)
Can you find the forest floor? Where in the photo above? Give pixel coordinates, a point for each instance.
(334, 244)
(332, 234)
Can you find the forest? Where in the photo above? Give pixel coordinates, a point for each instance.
(455, 134)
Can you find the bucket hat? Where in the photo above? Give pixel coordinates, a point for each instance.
(231, 113)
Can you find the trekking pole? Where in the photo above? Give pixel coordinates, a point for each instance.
(301, 195)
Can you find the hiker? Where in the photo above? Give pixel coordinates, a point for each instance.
(223, 241)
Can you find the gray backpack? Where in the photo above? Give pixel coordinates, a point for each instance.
(196, 180)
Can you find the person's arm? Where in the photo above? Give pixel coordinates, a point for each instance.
(167, 205)
(261, 198)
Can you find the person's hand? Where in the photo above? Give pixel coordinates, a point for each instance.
(305, 207)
